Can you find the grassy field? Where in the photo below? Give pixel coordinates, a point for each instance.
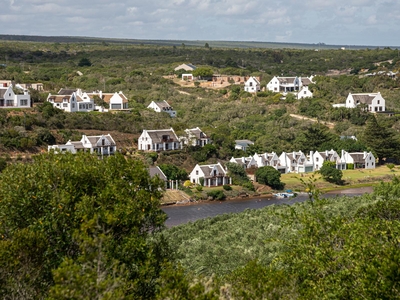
(352, 178)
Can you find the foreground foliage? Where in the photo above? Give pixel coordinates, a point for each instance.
(342, 248)
(78, 227)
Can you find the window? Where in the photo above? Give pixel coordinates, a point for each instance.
(379, 101)
(65, 104)
(24, 102)
(197, 172)
(73, 105)
(317, 159)
(102, 142)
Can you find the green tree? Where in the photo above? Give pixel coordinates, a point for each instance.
(381, 140)
(173, 172)
(78, 226)
(203, 72)
(84, 62)
(237, 173)
(269, 176)
(330, 173)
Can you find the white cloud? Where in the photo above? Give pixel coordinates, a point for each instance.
(335, 22)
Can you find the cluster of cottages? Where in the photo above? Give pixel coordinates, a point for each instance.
(217, 174)
(299, 162)
(76, 100)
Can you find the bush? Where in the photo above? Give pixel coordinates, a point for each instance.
(199, 188)
(201, 180)
(227, 187)
(248, 185)
(216, 194)
(350, 167)
(269, 176)
(330, 173)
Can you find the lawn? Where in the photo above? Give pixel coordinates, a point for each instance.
(352, 178)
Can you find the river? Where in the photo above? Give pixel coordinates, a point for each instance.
(180, 214)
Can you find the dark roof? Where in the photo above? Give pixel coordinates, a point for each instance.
(156, 171)
(162, 104)
(207, 170)
(66, 91)
(306, 81)
(244, 142)
(358, 157)
(286, 79)
(364, 98)
(2, 92)
(157, 135)
(198, 133)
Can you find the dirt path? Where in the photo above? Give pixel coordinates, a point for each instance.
(299, 117)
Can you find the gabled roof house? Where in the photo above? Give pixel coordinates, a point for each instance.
(318, 159)
(159, 140)
(195, 137)
(252, 85)
(214, 175)
(100, 144)
(360, 160)
(10, 98)
(162, 106)
(374, 102)
(296, 162)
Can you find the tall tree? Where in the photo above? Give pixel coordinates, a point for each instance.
(381, 140)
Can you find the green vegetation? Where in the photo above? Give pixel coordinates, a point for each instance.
(79, 227)
(269, 176)
(330, 173)
(327, 247)
(75, 226)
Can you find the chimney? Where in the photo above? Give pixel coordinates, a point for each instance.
(343, 153)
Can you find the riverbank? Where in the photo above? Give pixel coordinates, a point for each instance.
(181, 214)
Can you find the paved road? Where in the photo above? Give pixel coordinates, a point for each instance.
(192, 212)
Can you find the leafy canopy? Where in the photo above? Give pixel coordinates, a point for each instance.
(77, 223)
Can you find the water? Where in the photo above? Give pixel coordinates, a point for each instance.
(195, 211)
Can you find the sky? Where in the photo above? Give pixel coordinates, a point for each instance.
(333, 22)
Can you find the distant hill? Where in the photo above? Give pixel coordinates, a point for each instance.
(198, 43)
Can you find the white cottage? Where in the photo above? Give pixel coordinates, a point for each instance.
(214, 175)
(245, 162)
(296, 85)
(195, 137)
(10, 98)
(159, 140)
(318, 158)
(360, 160)
(162, 106)
(72, 100)
(100, 144)
(296, 162)
(374, 102)
(272, 160)
(252, 85)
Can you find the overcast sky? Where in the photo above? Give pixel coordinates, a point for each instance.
(339, 22)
